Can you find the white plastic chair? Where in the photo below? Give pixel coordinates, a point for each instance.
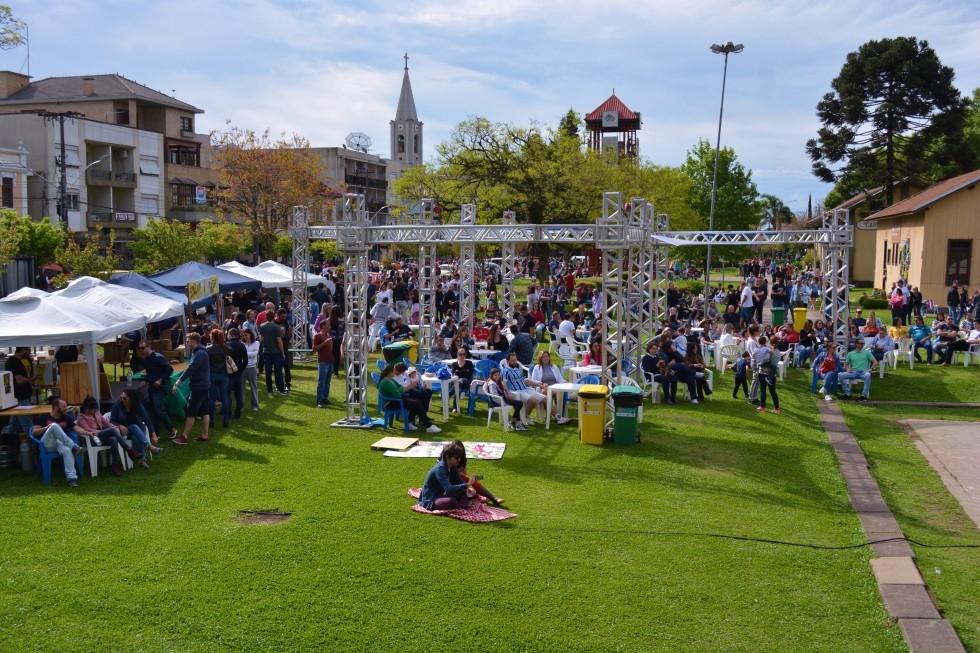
(730, 354)
(904, 351)
(497, 405)
(972, 352)
(709, 375)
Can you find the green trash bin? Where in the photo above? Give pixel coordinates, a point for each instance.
(626, 400)
(393, 353)
(778, 316)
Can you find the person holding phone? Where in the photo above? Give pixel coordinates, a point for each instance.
(477, 486)
(444, 488)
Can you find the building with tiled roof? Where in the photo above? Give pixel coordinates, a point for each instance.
(612, 127)
(151, 161)
(931, 237)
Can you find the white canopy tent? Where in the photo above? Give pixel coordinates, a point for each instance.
(47, 321)
(131, 300)
(312, 280)
(269, 278)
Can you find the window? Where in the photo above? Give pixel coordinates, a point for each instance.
(72, 201)
(401, 144)
(186, 124)
(415, 144)
(149, 167)
(182, 194)
(183, 155)
(71, 157)
(149, 204)
(958, 261)
(7, 193)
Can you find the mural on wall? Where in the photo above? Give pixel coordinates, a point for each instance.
(904, 259)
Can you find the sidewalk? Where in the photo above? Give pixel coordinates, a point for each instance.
(954, 450)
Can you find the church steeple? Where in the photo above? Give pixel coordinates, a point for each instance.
(406, 101)
(406, 129)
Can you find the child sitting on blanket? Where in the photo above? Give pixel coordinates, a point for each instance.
(477, 486)
(444, 489)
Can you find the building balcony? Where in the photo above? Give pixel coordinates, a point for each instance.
(111, 220)
(110, 178)
(360, 181)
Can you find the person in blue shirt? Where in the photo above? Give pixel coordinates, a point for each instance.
(444, 488)
(199, 375)
(742, 368)
(922, 336)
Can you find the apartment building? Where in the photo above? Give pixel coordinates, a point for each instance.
(142, 133)
(14, 173)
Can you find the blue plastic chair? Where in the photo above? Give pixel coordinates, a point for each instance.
(482, 368)
(590, 379)
(46, 458)
(382, 364)
(390, 414)
(479, 395)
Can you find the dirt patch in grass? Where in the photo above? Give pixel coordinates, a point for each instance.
(252, 517)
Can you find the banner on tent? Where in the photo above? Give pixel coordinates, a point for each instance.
(202, 288)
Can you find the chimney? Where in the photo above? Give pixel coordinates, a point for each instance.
(11, 82)
(88, 86)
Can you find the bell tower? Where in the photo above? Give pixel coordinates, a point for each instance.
(406, 130)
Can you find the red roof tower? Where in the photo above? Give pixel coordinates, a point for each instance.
(621, 123)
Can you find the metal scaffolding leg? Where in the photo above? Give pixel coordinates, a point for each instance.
(508, 263)
(352, 233)
(468, 296)
(609, 242)
(428, 277)
(661, 262)
(835, 274)
(301, 249)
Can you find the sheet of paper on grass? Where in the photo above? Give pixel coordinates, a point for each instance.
(477, 450)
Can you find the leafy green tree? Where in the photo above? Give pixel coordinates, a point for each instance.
(163, 244)
(971, 126)
(777, 213)
(326, 248)
(893, 112)
(738, 206)
(37, 238)
(10, 29)
(222, 241)
(10, 243)
(86, 258)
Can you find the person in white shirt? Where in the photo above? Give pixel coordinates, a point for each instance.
(746, 303)
(566, 330)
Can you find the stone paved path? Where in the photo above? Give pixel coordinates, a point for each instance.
(902, 588)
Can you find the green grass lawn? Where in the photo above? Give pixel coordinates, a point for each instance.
(685, 542)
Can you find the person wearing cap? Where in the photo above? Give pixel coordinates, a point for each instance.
(858, 319)
(953, 301)
(21, 368)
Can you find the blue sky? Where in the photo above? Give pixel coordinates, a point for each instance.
(324, 69)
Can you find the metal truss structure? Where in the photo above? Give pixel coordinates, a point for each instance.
(631, 237)
(468, 297)
(301, 257)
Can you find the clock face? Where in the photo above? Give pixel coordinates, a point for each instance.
(416, 128)
(401, 127)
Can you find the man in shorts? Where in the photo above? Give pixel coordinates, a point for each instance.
(198, 374)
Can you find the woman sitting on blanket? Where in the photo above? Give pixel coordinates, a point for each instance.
(477, 486)
(444, 488)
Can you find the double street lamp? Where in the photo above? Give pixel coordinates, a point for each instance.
(727, 49)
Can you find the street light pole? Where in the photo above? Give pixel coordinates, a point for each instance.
(726, 50)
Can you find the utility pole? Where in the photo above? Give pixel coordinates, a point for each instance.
(60, 118)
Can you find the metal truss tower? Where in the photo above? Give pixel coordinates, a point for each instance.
(633, 241)
(301, 256)
(468, 289)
